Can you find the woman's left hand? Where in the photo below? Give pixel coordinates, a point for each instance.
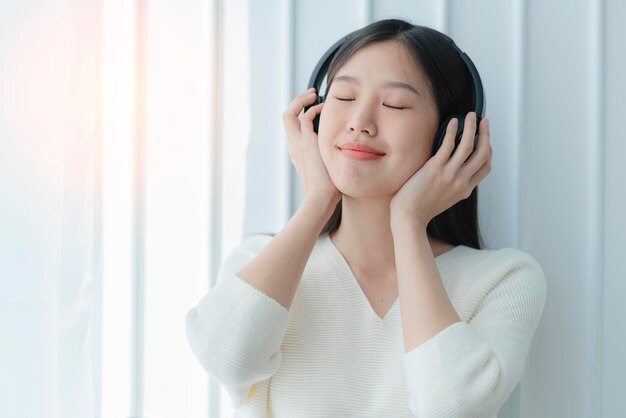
(445, 180)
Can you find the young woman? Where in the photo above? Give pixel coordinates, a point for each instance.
(376, 299)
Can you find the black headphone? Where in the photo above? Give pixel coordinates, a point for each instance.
(321, 70)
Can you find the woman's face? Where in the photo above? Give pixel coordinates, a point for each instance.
(358, 109)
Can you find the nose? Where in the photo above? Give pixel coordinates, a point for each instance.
(362, 120)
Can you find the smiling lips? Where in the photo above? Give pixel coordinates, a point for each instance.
(361, 152)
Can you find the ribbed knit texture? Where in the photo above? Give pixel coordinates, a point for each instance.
(331, 355)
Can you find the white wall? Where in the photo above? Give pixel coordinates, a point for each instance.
(553, 75)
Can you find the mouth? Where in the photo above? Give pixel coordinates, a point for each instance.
(360, 148)
(359, 155)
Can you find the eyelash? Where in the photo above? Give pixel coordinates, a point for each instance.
(391, 107)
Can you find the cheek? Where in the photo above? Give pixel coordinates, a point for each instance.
(327, 134)
(329, 117)
(323, 148)
(422, 154)
(412, 157)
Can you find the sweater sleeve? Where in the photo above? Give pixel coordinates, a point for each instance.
(236, 330)
(469, 369)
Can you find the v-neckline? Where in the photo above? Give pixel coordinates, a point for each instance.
(355, 283)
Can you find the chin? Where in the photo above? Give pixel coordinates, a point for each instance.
(365, 191)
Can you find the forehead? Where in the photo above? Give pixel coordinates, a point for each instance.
(384, 61)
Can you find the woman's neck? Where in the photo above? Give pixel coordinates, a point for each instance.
(365, 240)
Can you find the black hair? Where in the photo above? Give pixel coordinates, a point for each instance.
(452, 87)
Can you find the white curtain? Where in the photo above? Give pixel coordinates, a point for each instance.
(114, 211)
(48, 218)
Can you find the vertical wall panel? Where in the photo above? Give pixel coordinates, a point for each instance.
(176, 202)
(497, 58)
(614, 279)
(434, 13)
(236, 112)
(118, 64)
(594, 182)
(214, 177)
(555, 218)
(267, 153)
(138, 330)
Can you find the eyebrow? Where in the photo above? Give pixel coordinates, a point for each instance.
(387, 84)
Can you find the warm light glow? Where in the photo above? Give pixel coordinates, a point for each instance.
(48, 110)
(48, 85)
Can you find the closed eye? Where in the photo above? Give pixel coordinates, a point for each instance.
(389, 106)
(394, 107)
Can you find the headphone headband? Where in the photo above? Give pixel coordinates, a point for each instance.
(479, 93)
(321, 69)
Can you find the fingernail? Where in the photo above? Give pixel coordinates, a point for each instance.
(473, 116)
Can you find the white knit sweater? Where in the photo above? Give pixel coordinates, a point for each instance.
(331, 355)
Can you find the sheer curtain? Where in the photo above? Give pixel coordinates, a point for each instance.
(49, 218)
(119, 198)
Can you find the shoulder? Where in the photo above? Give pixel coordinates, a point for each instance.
(249, 247)
(510, 276)
(507, 263)
(499, 261)
(463, 259)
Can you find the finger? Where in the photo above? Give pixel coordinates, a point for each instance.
(305, 93)
(482, 153)
(290, 116)
(481, 173)
(308, 103)
(306, 119)
(299, 102)
(467, 142)
(447, 144)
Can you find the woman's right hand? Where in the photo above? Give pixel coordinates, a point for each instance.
(303, 147)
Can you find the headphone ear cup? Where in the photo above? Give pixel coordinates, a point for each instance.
(316, 120)
(441, 131)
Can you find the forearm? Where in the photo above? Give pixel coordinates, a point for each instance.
(425, 308)
(276, 270)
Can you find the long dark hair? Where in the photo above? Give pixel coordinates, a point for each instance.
(452, 87)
